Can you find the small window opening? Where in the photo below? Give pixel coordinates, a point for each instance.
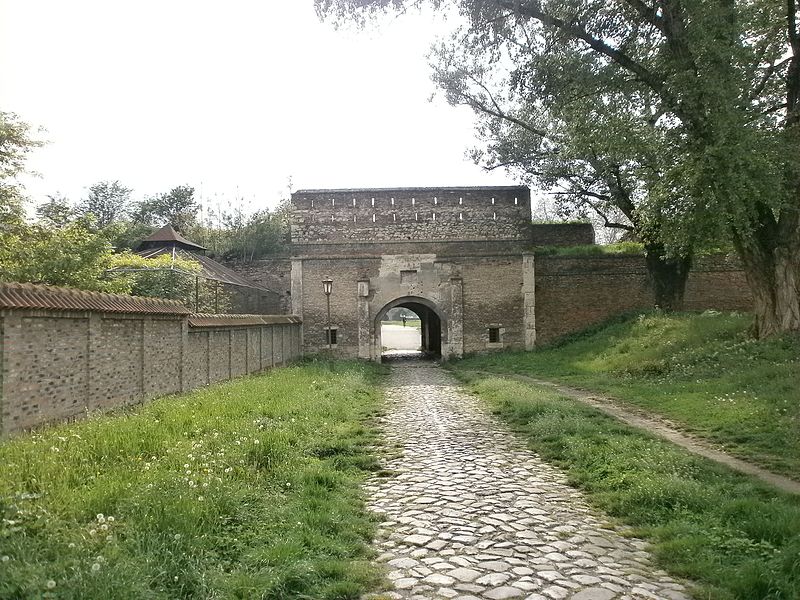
(331, 218)
(494, 216)
(494, 335)
(331, 336)
(413, 201)
(333, 201)
(516, 201)
(394, 216)
(392, 201)
(492, 200)
(460, 216)
(354, 201)
(373, 217)
(435, 200)
(373, 202)
(460, 201)
(434, 216)
(416, 216)
(312, 203)
(354, 218)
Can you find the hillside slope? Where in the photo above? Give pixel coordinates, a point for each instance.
(701, 371)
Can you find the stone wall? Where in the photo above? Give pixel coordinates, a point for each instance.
(562, 234)
(403, 214)
(64, 354)
(275, 274)
(573, 293)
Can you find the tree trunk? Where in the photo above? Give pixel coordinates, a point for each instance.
(773, 275)
(667, 276)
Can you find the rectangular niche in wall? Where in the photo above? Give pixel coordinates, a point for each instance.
(408, 277)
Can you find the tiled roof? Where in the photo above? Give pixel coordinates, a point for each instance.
(31, 296)
(211, 320)
(168, 234)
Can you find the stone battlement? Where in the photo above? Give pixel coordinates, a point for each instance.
(420, 214)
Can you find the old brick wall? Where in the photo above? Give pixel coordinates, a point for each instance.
(402, 214)
(575, 292)
(58, 362)
(562, 234)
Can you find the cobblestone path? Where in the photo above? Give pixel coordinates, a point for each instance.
(472, 514)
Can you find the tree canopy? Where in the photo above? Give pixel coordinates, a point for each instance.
(691, 104)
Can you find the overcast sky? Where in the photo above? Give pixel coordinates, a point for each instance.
(225, 96)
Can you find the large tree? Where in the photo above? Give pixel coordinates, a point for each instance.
(177, 207)
(725, 76)
(107, 202)
(16, 142)
(583, 133)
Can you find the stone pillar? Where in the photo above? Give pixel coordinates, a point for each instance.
(366, 337)
(297, 293)
(455, 325)
(529, 300)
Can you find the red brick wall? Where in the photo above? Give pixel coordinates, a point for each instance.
(575, 292)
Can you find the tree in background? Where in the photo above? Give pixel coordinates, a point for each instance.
(56, 212)
(74, 255)
(724, 78)
(580, 132)
(176, 207)
(106, 202)
(16, 142)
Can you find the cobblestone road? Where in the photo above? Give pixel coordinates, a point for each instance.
(472, 514)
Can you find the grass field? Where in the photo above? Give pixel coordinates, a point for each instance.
(701, 371)
(248, 489)
(736, 538)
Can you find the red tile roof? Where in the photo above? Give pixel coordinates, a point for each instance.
(31, 296)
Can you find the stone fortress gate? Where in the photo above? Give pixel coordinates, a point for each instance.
(459, 257)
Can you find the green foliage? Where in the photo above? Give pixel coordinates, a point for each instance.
(72, 256)
(16, 142)
(702, 371)
(176, 207)
(632, 248)
(158, 277)
(56, 212)
(106, 203)
(249, 489)
(737, 538)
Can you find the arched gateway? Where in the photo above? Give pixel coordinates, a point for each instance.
(455, 256)
(432, 324)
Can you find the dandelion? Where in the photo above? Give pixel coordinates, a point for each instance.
(177, 536)
(104, 527)
(71, 545)
(109, 538)
(256, 442)
(5, 558)
(110, 519)
(101, 518)
(51, 584)
(200, 498)
(92, 531)
(95, 567)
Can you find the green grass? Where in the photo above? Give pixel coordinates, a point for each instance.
(738, 539)
(409, 323)
(701, 371)
(628, 248)
(248, 489)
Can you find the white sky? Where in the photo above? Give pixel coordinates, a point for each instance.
(225, 96)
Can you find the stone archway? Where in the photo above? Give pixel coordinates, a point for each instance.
(433, 324)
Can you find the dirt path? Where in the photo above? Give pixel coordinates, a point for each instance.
(658, 427)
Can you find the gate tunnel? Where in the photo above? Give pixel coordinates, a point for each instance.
(430, 323)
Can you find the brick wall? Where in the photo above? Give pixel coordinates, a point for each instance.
(575, 292)
(59, 362)
(562, 234)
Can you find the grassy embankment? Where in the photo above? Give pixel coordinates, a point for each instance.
(248, 489)
(701, 371)
(735, 537)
